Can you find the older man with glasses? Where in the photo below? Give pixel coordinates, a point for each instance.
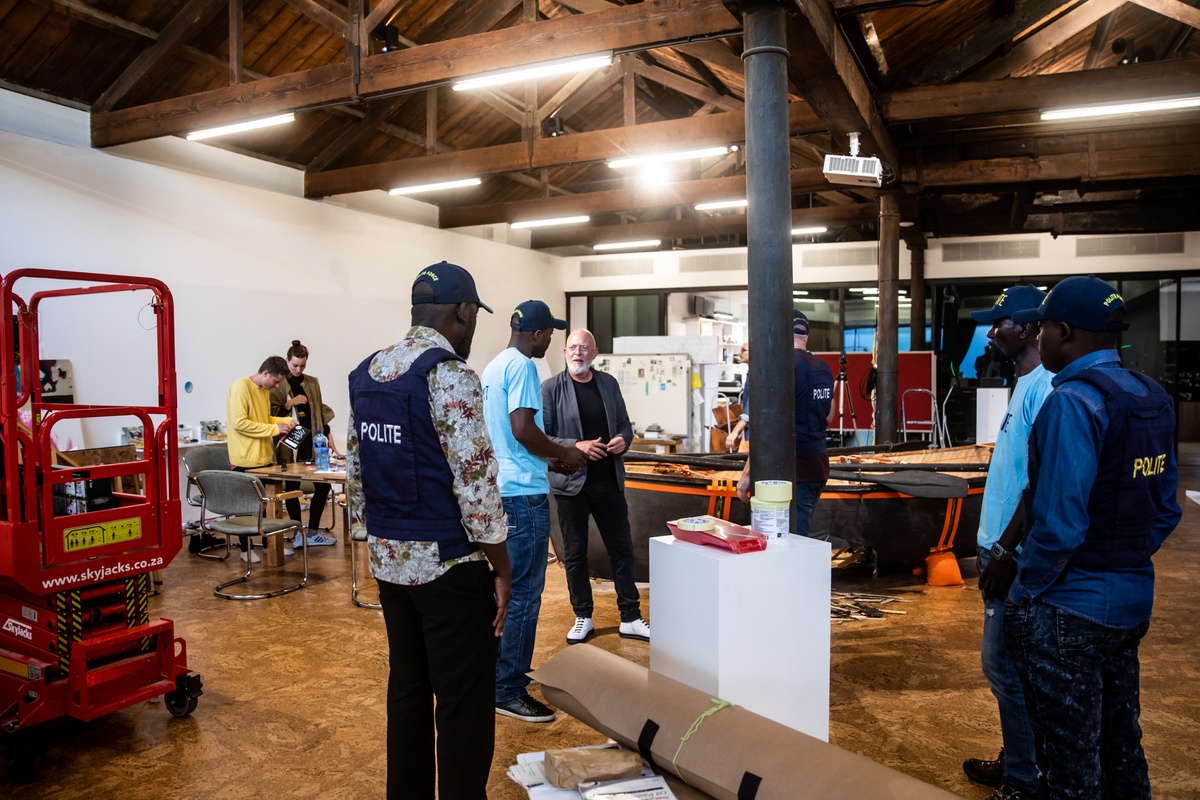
(583, 408)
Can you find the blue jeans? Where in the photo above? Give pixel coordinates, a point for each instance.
(1020, 754)
(807, 495)
(528, 548)
(1081, 686)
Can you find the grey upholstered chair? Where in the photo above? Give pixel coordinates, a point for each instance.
(238, 506)
(195, 461)
(358, 536)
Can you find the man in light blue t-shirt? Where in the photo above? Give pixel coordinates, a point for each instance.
(512, 409)
(1014, 771)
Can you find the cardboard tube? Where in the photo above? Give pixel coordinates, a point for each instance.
(728, 747)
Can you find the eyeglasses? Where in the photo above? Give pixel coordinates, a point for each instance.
(579, 348)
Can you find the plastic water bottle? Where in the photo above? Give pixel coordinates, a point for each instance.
(321, 451)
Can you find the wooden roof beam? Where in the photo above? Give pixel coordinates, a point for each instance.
(1048, 38)
(673, 80)
(560, 151)
(189, 19)
(647, 24)
(809, 179)
(1114, 84)
(823, 68)
(694, 228)
(1175, 9)
(322, 16)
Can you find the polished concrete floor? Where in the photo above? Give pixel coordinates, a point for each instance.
(294, 687)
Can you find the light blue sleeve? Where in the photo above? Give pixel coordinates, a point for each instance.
(524, 386)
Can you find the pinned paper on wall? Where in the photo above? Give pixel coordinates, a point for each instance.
(656, 387)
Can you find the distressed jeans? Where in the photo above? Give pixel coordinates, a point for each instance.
(1020, 755)
(528, 547)
(1081, 687)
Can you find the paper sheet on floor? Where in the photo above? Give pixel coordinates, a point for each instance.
(1193, 496)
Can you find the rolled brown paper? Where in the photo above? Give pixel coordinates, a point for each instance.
(618, 697)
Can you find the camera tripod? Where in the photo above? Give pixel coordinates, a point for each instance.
(844, 397)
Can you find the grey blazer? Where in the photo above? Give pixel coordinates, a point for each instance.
(560, 416)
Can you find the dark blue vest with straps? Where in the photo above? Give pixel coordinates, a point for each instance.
(1124, 500)
(406, 481)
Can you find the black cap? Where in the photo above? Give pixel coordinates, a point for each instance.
(1082, 301)
(1010, 301)
(534, 315)
(451, 285)
(799, 323)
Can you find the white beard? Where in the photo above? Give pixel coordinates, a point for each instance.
(578, 370)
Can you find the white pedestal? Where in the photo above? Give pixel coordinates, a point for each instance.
(990, 407)
(752, 629)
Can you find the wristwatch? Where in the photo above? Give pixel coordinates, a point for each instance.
(999, 553)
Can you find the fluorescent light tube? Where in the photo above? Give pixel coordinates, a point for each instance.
(238, 127)
(807, 300)
(723, 315)
(434, 187)
(627, 245)
(654, 158)
(542, 223)
(809, 231)
(556, 67)
(799, 292)
(721, 204)
(1116, 109)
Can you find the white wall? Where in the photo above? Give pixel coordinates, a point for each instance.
(250, 268)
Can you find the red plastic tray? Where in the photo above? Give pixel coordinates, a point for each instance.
(725, 535)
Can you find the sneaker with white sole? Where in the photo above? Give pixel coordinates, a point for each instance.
(250, 556)
(637, 629)
(526, 709)
(315, 539)
(581, 630)
(288, 551)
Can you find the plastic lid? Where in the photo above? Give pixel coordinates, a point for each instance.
(773, 491)
(695, 524)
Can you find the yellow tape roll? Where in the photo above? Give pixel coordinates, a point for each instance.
(773, 491)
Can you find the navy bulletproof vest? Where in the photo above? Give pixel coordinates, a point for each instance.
(1124, 501)
(406, 481)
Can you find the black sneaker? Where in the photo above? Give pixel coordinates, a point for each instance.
(203, 541)
(526, 708)
(989, 773)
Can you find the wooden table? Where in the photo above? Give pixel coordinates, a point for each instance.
(275, 474)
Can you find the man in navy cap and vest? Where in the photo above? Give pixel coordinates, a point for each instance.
(1014, 771)
(512, 408)
(1100, 502)
(421, 474)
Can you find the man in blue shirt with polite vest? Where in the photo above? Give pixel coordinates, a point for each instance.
(1100, 502)
(1014, 771)
(512, 408)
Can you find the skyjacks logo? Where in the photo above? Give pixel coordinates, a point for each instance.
(18, 629)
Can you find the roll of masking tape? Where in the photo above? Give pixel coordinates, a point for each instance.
(695, 524)
(773, 491)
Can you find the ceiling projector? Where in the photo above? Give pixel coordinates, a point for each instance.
(854, 170)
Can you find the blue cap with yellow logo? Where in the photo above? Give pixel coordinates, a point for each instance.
(1010, 301)
(1082, 301)
(534, 315)
(451, 285)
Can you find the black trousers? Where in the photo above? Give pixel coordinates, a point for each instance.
(315, 509)
(605, 503)
(441, 645)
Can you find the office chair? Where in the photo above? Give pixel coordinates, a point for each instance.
(240, 507)
(196, 460)
(358, 535)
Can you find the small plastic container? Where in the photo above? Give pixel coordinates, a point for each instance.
(770, 509)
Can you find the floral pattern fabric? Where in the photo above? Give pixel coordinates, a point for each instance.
(456, 406)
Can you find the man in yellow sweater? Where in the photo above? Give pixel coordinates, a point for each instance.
(250, 428)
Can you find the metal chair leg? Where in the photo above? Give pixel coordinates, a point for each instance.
(250, 569)
(354, 579)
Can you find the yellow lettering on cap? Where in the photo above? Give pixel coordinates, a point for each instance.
(517, 313)
(427, 274)
(1114, 296)
(1000, 300)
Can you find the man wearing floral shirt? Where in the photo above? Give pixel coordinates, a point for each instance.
(421, 473)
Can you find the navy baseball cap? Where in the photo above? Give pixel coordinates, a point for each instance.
(799, 323)
(1010, 301)
(534, 315)
(451, 285)
(1082, 301)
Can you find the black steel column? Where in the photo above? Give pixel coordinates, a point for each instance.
(887, 326)
(769, 236)
(916, 291)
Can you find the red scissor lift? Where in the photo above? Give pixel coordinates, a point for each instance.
(76, 638)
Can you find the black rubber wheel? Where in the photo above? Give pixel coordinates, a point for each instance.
(22, 757)
(179, 704)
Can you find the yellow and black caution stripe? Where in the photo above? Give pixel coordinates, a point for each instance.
(68, 624)
(137, 604)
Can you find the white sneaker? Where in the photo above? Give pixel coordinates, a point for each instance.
(638, 629)
(287, 551)
(581, 630)
(250, 556)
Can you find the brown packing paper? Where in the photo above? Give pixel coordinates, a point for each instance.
(617, 697)
(566, 769)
